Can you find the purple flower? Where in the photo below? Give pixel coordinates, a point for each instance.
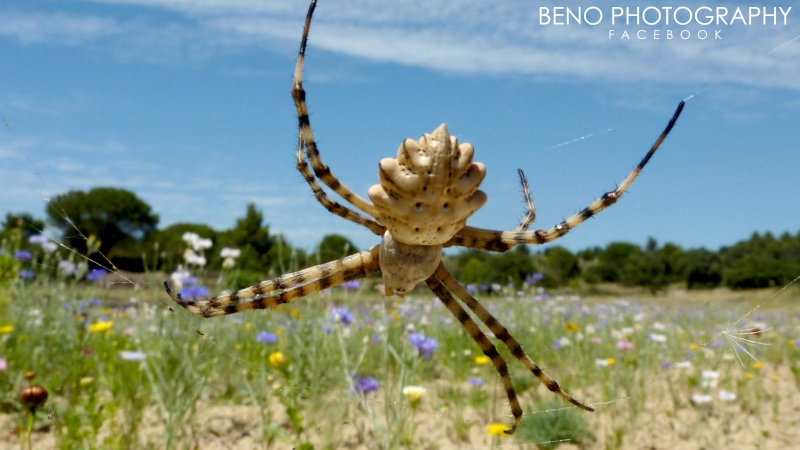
(364, 385)
(533, 278)
(27, 274)
(265, 337)
(471, 289)
(23, 255)
(96, 274)
(194, 292)
(342, 314)
(425, 346)
(351, 285)
(475, 381)
(189, 281)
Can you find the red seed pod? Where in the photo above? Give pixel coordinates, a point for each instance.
(33, 396)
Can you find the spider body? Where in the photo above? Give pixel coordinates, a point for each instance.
(422, 202)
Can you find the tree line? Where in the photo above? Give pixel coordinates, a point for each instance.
(124, 229)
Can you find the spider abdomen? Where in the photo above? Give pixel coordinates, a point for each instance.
(405, 265)
(427, 193)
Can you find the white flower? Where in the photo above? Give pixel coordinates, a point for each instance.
(202, 244)
(658, 326)
(131, 356)
(228, 252)
(710, 379)
(726, 396)
(685, 364)
(49, 246)
(414, 394)
(655, 337)
(701, 399)
(190, 237)
(601, 362)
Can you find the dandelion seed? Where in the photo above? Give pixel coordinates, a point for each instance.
(497, 429)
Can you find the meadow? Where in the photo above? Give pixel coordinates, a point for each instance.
(125, 368)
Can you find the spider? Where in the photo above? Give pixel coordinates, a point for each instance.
(420, 205)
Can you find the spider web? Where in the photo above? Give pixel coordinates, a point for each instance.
(737, 343)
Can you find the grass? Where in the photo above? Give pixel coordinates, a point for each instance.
(125, 369)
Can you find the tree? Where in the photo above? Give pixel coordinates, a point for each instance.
(24, 222)
(335, 246)
(251, 236)
(105, 215)
(561, 264)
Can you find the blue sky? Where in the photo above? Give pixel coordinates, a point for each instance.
(186, 103)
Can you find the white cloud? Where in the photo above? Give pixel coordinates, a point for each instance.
(495, 38)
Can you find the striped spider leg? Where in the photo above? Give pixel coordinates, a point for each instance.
(501, 241)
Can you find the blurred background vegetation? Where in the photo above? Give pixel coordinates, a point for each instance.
(117, 224)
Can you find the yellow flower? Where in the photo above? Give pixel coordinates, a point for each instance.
(295, 313)
(277, 360)
(278, 332)
(748, 375)
(482, 360)
(5, 329)
(248, 326)
(694, 347)
(238, 346)
(101, 327)
(758, 366)
(569, 326)
(497, 429)
(611, 361)
(414, 394)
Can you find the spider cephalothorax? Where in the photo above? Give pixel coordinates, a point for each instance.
(422, 204)
(424, 198)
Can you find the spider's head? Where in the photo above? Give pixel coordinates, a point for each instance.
(427, 193)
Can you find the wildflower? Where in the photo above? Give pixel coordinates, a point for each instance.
(27, 274)
(596, 340)
(295, 314)
(414, 394)
(96, 274)
(600, 362)
(342, 314)
(660, 338)
(351, 285)
(624, 345)
(533, 278)
(364, 385)
(701, 399)
(482, 360)
(194, 292)
(277, 360)
(726, 396)
(132, 356)
(265, 337)
(475, 381)
(685, 364)
(33, 396)
(748, 376)
(758, 366)
(497, 429)
(37, 239)
(23, 255)
(658, 326)
(424, 345)
(101, 327)
(569, 326)
(67, 267)
(693, 347)
(5, 329)
(709, 378)
(3, 365)
(560, 343)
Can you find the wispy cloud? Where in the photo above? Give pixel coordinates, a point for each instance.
(479, 37)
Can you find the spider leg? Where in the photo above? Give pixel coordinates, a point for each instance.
(500, 241)
(530, 214)
(329, 204)
(502, 333)
(289, 287)
(488, 349)
(306, 134)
